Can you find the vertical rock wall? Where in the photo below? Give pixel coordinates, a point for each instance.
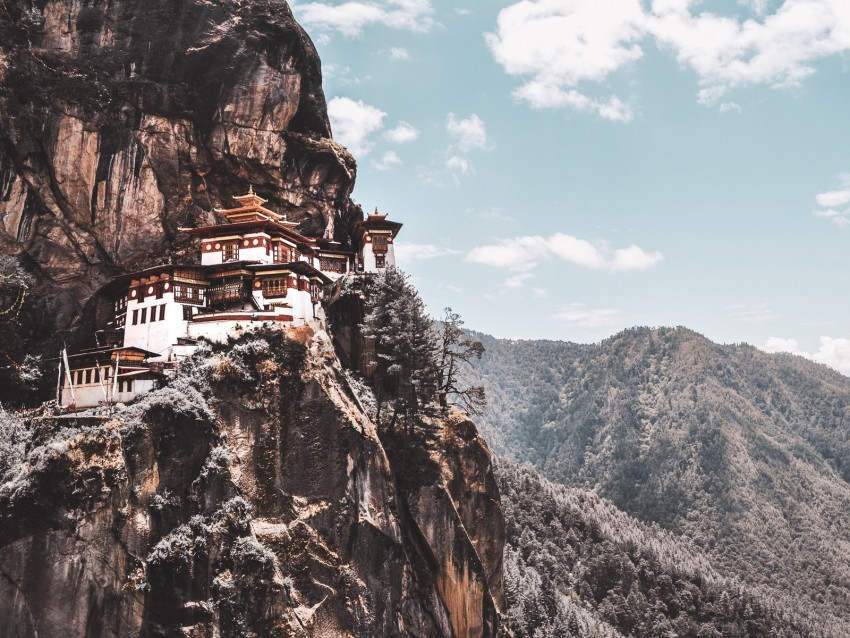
(122, 120)
(250, 497)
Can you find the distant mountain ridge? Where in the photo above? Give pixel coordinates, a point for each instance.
(575, 565)
(745, 453)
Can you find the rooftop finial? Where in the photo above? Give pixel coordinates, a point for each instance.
(376, 210)
(250, 189)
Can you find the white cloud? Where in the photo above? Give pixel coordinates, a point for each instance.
(835, 353)
(468, 133)
(405, 252)
(560, 44)
(517, 281)
(752, 313)
(777, 50)
(578, 314)
(353, 123)
(561, 47)
(831, 200)
(350, 18)
(725, 107)
(388, 161)
(525, 252)
(540, 95)
(402, 133)
(779, 344)
(342, 75)
(399, 53)
(459, 164)
(832, 352)
(837, 217)
(463, 11)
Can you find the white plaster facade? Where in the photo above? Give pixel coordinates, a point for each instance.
(155, 324)
(368, 257)
(92, 395)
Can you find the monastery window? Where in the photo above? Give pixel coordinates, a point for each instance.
(188, 294)
(135, 316)
(230, 252)
(144, 318)
(330, 264)
(379, 244)
(162, 312)
(79, 377)
(97, 375)
(274, 287)
(379, 261)
(279, 252)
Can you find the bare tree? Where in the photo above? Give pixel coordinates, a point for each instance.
(457, 349)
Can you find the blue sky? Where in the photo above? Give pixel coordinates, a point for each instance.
(568, 168)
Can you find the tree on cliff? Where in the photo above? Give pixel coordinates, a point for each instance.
(20, 371)
(403, 366)
(457, 350)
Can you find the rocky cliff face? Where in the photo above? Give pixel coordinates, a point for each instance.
(250, 497)
(121, 121)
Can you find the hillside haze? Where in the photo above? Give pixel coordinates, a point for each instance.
(744, 453)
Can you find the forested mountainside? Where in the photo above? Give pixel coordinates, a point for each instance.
(745, 454)
(250, 496)
(577, 566)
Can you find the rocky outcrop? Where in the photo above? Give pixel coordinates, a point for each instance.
(122, 121)
(251, 496)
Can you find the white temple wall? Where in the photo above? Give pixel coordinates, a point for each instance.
(86, 396)
(254, 253)
(368, 258)
(91, 395)
(155, 336)
(302, 305)
(210, 258)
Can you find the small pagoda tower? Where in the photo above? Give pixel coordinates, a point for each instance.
(374, 238)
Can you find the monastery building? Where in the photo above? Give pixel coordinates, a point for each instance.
(255, 269)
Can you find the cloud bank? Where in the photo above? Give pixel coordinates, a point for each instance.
(833, 352)
(526, 252)
(566, 51)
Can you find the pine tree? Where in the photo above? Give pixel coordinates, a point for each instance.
(404, 370)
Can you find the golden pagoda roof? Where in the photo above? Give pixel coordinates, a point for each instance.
(252, 209)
